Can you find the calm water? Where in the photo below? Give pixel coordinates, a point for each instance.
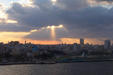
(82, 68)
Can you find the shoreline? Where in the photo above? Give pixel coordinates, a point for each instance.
(55, 62)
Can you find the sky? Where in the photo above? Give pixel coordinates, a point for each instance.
(56, 21)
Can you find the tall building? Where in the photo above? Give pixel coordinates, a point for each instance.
(81, 41)
(107, 44)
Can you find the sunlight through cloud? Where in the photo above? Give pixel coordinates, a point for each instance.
(103, 3)
(53, 32)
(53, 1)
(25, 3)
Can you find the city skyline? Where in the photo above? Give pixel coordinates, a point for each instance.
(81, 41)
(56, 21)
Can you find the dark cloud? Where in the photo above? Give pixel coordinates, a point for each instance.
(90, 22)
(108, 2)
(72, 4)
(40, 35)
(33, 16)
(14, 28)
(96, 22)
(105, 0)
(45, 34)
(65, 4)
(46, 14)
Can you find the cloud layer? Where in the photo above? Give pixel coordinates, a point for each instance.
(81, 20)
(104, 0)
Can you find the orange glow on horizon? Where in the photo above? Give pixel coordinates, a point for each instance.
(77, 40)
(19, 36)
(46, 42)
(64, 41)
(43, 42)
(12, 36)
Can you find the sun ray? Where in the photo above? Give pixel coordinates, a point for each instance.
(53, 33)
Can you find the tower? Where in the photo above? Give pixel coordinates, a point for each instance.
(81, 41)
(107, 44)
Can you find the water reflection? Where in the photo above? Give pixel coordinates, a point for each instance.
(83, 68)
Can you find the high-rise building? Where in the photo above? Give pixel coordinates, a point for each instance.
(107, 44)
(81, 41)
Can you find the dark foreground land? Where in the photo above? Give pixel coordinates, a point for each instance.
(78, 68)
(63, 59)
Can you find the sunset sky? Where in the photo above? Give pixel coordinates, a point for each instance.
(56, 21)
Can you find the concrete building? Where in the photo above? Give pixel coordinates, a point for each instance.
(107, 44)
(81, 41)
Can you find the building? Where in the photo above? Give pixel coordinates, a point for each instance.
(107, 44)
(81, 41)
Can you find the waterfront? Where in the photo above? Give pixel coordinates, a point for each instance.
(79, 68)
